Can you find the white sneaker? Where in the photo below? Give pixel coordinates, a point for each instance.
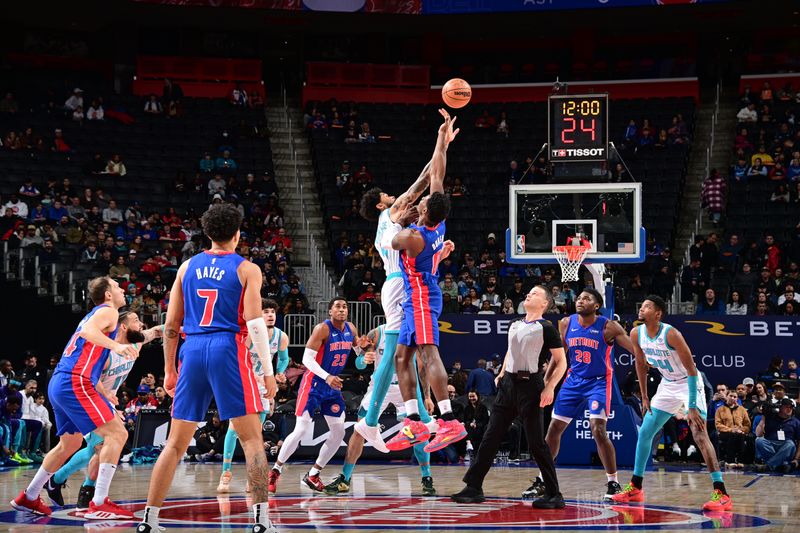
(225, 482)
(433, 426)
(372, 434)
(676, 449)
(690, 450)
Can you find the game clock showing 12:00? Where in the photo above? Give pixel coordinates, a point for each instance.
(578, 128)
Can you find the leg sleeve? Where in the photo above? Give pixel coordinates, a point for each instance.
(292, 441)
(334, 440)
(653, 421)
(382, 378)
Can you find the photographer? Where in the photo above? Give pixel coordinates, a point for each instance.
(733, 427)
(777, 435)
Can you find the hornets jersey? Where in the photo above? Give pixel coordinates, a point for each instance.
(660, 354)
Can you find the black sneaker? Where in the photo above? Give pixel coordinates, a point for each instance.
(536, 490)
(613, 488)
(338, 485)
(468, 495)
(261, 528)
(427, 486)
(54, 491)
(549, 502)
(85, 496)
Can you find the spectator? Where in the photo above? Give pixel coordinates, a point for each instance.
(78, 115)
(216, 186)
(713, 195)
(775, 369)
(467, 307)
(225, 163)
(31, 238)
(486, 308)
(771, 253)
(693, 282)
(115, 166)
(776, 437)
(729, 254)
(172, 94)
(39, 412)
(763, 156)
(56, 211)
(757, 169)
(789, 294)
(74, 101)
(29, 190)
(780, 194)
(163, 399)
(239, 96)
(112, 214)
(793, 170)
(152, 106)
(344, 178)
(492, 297)
(96, 111)
(120, 270)
(17, 206)
(481, 380)
(475, 419)
(503, 127)
(365, 136)
(777, 172)
(631, 135)
(449, 304)
(747, 114)
(9, 105)
(739, 171)
(733, 427)
(514, 174)
(735, 304)
(485, 121)
(209, 440)
(207, 164)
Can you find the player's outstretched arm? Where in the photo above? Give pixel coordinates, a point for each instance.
(407, 199)
(172, 329)
(151, 334)
(369, 343)
(641, 369)
(252, 279)
(439, 159)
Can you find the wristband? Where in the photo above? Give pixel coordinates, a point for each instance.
(692, 381)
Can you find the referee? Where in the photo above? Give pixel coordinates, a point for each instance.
(524, 391)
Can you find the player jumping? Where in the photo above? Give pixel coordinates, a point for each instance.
(664, 348)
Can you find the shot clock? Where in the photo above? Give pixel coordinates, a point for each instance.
(578, 128)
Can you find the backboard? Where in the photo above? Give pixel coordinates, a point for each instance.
(608, 215)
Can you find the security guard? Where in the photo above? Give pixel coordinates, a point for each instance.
(523, 391)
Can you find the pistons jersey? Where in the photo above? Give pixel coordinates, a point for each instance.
(421, 270)
(588, 353)
(83, 358)
(212, 294)
(332, 356)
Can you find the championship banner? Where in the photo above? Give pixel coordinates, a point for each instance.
(726, 348)
(443, 7)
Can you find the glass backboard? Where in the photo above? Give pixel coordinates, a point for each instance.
(608, 215)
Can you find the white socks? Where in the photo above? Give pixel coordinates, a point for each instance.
(277, 467)
(411, 407)
(444, 406)
(104, 476)
(150, 516)
(314, 471)
(612, 477)
(261, 514)
(39, 481)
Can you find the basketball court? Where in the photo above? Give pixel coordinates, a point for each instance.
(386, 497)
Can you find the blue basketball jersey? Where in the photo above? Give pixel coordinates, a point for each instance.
(212, 294)
(332, 356)
(588, 353)
(82, 357)
(422, 268)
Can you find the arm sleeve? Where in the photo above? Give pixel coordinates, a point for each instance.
(283, 361)
(552, 338)
(310, 362)
(360, 364)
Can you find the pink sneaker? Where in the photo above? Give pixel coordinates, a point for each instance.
(450, 431)
(413, 432)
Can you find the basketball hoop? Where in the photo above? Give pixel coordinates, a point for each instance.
(570, 259)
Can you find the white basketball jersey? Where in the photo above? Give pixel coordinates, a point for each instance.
(383, 241)
(380, 348)
(258, 368)
(661, 355)
(116, 371)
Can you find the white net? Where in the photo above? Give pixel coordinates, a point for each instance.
(570, 259)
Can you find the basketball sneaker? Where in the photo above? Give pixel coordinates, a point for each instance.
(107, 510)
(54, 491)
(372, 434)
(272, 485)
(268, 528)
(629, 494)
(613, 488)
(147, 528)
(313, 482)
(718, 502)
(427, 486)
(536, 490)
(449, 431)
(37, 506)
(413, 432)
(225, 482)
(85, 496)
(338, 485)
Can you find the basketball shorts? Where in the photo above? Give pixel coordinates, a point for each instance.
(315, 394)
(218, 365)
(421, 310)
(393, 397)
(77, 406)
(392, 294)
(673, 397)
(578, 393)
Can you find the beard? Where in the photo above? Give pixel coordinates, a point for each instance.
(135, 336)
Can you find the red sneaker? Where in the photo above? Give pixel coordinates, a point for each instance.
(274, 476)
(413, 432)
(629, 494)
(449, 431)
(37, 506)
(313, 482)
(108, 510)
(718, 502)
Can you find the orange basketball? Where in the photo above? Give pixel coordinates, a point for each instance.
(456, 93)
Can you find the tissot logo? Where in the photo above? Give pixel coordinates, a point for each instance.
(578, 152)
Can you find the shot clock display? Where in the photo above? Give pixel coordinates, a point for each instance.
(578, 128)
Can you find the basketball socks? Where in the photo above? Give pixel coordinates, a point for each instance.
(612, 477)
(382, 377)
(38, 482)
(150, 517)
(278, 468)
(636, 481)
(104, 476)
(89, 482)
(412, 408)
(347, 470)
(446, 410)
(719, 485)
(228, 448)
(314, 471)
(423, 458)
(261, 513)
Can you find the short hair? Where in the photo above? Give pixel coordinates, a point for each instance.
(221, 222)
(547, 294)
(97, 289)
(38, 395)
(596, 295)
(482, 362)
(269, 303)
(334, 300)
(12, 399)
(31, 381)
(370, 199)
(659, 302)
(438, 207)
(124, 313)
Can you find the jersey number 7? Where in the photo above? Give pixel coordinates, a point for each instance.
(210, 296)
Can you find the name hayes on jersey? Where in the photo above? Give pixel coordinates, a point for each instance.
(213, 272)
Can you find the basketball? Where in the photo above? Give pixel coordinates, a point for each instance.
(456, 93)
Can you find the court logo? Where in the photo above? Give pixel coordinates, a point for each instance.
(385, 513)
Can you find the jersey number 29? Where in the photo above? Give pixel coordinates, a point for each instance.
(210, 296)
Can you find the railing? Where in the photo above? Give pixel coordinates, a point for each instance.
(320, 275)
(378, 320)
(360, 314)
(298, 328)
